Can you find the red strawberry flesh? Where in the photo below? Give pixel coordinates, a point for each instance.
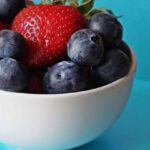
(35, 84)
(1, 26)
(47, 29)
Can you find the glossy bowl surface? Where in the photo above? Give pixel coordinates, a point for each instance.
(62, 121)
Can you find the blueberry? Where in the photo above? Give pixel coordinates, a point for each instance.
(115, 65)
(107, 26)
(65, 77)
(125, 48)
(12, 44)
(13, 76)
(85, 48)
(9, 9)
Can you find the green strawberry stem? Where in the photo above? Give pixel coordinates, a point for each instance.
(85, 7)
(53, 2)
(73, 3)
(98, 10)
(46, 1)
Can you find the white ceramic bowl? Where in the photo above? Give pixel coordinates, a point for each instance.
(64, 121)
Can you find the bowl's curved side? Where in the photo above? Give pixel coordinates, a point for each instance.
(43, 122)
(62, 122)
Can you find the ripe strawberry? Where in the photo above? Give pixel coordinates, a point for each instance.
(1, 26)
(47, 29)
(4, 26)
(7, 26)
(35, 84)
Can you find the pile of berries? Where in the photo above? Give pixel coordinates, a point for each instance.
(54, 48)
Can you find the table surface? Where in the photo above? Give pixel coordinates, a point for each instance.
(132, 130)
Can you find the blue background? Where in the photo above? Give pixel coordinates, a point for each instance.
(132, 131)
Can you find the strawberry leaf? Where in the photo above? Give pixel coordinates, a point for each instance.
(83, 1)
(73, 3)
(101, 10)
(86, 6)
(54, 2)
(46, 2)
(98, 10)
(61, 2)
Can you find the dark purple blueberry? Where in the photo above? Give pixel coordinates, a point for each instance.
(65, 77)
(108, 27)
(12, 44)
(123, 46)
(13, 75)
(85, 47)
(126, 49)
(9, 9)
(116, 65)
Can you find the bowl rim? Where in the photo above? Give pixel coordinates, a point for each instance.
(81, 93)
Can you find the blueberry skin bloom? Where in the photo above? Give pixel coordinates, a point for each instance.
(85, 47)
(12, 44)
(9, 9)
(13, 75)
(108, 27)
(65, 77)
(116, 65)
(126, 49)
